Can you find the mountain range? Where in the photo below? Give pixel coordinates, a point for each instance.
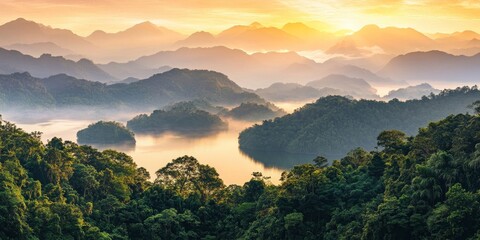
(46, 65)
(141, 39)
(434, 67)
(285, 92)
(256, 37)
(347, 86)
(412, 92)
(375, 52)
(147, 38)
(373, 39)
(63, 91)
(40, 48)
(22, 31)
(249, 70)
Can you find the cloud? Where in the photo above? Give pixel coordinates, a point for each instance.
(84, 16)
(210, 14)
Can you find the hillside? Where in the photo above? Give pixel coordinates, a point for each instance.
(412, 92)
(38, 49)
(23, 90)
(253, 112)
(293, 92)
(69, 91)
(257, 70)
(390, 40)
(161, 89)
(180, 118)
(180, 85)
(141, 39)
(196, 104)
(347, 86)
(434, 67)
(334, 125)
(46, 65)
(198, 39)
(105, 133)
(423, 187)
(257, 37)
(22, 31)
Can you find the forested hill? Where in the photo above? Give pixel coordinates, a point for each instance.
(160, 89)
(334, 125)
(424, 187)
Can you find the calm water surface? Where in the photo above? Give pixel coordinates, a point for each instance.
(219, 150)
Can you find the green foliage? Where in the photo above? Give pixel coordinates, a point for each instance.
(182, 118)
(106, 133)
(186, 176)
(334, 125)
(21, 89)
(422, 187)
(254, 112)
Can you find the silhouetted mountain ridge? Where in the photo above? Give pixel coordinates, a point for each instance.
(434, 66)
(161, 89)
(46, 65)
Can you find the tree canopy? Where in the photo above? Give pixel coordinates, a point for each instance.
(422, 187)
(106, 133)
(334, 125)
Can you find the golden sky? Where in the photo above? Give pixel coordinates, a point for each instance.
(84, 16)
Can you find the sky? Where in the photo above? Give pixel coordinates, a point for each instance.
(186, 16)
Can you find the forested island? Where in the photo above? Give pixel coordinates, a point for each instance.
(423, 187)
(197, 104)
(105, 133)
(334, 125)
(183, 118)
(254, 112)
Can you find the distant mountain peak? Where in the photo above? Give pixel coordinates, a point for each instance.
(46, 55)
(294, 24)
(21, 75)
(85, 61)
(20, 19)
(197, 39)
(435, 53)
(146, 24)
(467, 35)
(202, 34)
(97, 33)
(23, 23)
(370, 27)
(256, 25)
(474, 42)
(424, 85)
(298, 28)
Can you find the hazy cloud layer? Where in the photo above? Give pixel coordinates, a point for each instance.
(215, 15)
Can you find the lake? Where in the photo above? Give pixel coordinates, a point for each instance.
(219, 150)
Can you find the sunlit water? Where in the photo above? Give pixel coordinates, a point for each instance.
(219, 150)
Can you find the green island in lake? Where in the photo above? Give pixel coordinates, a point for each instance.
(180, 118)
(105, 133)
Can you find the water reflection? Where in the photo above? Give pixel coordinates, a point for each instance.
(219, 150)
(123, 147)
(284, 160)
(198, 134)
